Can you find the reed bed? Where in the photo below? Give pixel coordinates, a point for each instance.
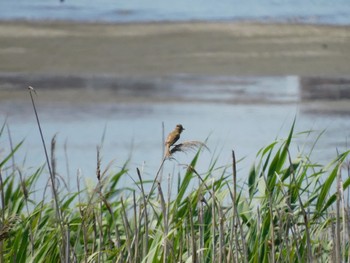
(286, 209)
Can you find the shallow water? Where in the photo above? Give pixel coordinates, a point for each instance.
(319, 12)
(240, 114)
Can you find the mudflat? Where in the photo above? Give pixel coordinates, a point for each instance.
(159, 49)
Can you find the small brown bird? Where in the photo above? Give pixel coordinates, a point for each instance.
(173, 138)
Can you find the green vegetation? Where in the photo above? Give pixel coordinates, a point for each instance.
(287, 209)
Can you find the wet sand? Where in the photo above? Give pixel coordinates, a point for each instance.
(154, 49)
(140, 63)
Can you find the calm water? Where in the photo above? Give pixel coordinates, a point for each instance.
(136, 128)
(319, 12)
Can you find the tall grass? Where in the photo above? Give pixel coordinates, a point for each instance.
(286, 209)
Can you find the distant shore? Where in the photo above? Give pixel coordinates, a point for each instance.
(163, 49)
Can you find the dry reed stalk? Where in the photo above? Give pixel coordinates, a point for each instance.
(192, 236)
(103, 200)
(243, 240)
(340, 195)
(169, 197)
(234, 204)
(136, 231)
(201, 227)
(2, 217)
(52, 177)
(67, 252)
(83, 218)
(344, 217)
(222, 250)
(170, 241)
(163, 151)
(120, 259)
(347, 209)
(2, 194)
(53, 159)
(286, 224)
(144, 211)
(55, 190)
(213, 223)
(236, 218)
(305, 216)
(67, 166)
(128, 232)
(165, 223)
(45, 151)
(99, 218)
(235, 225)
(231, 256)
(337, 226)
(140, 244)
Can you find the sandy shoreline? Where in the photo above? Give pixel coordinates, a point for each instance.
(154, 49)
(136, 61)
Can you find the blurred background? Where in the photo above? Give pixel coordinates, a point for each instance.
(122, 74)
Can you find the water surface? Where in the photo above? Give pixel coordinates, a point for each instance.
(240, 114)
(318, 12)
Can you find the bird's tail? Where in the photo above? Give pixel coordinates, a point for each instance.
(167, 150)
